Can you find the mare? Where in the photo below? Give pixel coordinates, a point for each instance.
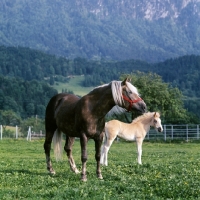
(84, 118)
(136, 130)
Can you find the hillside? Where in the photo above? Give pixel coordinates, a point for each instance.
(19, 62)
(25, 65)
(152, 31)
(26, 98)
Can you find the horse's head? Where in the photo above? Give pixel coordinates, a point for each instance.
(131, 97)
(156, 122)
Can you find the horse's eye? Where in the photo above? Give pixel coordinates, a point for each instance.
(155, 121)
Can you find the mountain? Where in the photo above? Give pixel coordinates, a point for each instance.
(152, 31)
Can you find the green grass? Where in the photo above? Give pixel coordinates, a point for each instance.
(74, 85)
(169, 171)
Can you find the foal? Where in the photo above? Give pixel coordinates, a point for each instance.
(136, 130)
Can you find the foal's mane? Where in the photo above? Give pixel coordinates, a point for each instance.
(145, 116)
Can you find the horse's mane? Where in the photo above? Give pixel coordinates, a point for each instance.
(117, 92)
(145, 116)
(117, 96)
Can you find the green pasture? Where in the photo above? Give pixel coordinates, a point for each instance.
(73, 85)
(169, 171)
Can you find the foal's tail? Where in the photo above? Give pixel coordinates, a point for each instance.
(57, 142)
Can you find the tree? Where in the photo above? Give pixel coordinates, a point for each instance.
(36, 123)
(9, 118)
(160, 96)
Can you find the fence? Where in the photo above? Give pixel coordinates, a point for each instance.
(16, 134)
(170, 132)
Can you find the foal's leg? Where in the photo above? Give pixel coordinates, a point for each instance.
(98, 142)
(83, 141)
(105, 147)
(103, 150)
(139, 149)
(47, 148)
(68, 148)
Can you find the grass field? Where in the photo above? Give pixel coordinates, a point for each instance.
(169, 171)
(74, 85)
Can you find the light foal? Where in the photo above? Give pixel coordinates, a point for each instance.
(135, 131)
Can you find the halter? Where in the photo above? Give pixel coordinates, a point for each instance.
(131, 102)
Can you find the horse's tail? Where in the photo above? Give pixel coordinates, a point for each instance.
(57, 142)
(105, 135)
(104, 141)
(103, 159)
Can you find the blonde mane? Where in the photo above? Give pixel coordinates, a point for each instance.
(117, 96)
(145, 116)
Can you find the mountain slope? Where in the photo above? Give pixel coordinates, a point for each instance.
(116, 29)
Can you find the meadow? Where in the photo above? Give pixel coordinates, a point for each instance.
(74, 85)
(170, 170)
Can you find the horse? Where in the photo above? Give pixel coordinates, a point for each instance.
(83, 117)
(136, 130)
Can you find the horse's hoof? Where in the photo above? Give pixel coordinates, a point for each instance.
(52, 172)
(100, 177)
(76, 171)
(84, 178)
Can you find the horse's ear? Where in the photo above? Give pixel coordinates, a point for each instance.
(156, 114)
(124, 81)
(129, 80)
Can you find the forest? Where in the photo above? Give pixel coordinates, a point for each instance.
(26, 76)
(28, 64)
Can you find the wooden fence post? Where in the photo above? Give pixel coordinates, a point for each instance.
(1, 131)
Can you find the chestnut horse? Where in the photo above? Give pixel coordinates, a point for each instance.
(136, 130)
(84, 118)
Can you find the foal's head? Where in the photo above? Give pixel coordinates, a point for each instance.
(131, 97)
(156, 122)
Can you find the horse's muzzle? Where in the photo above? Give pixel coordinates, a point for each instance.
(160, 129)
(143, 107)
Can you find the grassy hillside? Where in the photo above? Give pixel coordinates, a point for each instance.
(73, 85)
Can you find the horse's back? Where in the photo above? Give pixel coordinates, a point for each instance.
(122, 130)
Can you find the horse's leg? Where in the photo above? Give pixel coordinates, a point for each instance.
(68, 148)
(98, 142)
(107, 147)
(83, 142)
(108, 140)
(139, 149)
(47, 148)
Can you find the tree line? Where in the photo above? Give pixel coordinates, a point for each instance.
(28, 64)
(25, 98)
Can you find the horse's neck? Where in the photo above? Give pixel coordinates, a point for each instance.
(146, 122)
(103, 101)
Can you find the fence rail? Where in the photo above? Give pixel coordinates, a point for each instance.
(170, 132)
